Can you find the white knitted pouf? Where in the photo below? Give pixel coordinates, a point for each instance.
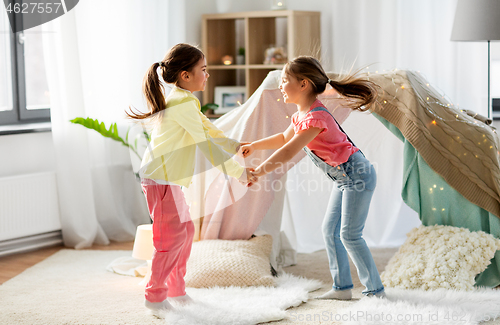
(440, 257)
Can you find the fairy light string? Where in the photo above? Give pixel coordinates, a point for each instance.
(431, 98)
(460, 148)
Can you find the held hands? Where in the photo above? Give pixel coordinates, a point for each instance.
(247, 178)
(246, 149)
(255, 174)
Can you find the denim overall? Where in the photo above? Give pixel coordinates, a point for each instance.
(345, 218)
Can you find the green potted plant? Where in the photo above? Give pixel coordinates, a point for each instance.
(112, 133)
(209, 108)
(240, 58)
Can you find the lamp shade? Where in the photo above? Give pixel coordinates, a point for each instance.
(143, 244)
(476, 20)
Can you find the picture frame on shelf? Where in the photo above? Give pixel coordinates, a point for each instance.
(229, 97)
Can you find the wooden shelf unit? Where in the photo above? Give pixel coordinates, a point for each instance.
(299, 31)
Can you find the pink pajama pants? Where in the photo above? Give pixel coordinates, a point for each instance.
(173, 233)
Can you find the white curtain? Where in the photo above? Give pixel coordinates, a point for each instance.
(97, 56)
(411, 35)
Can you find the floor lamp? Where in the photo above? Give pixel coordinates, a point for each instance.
(478, 20)
(143, 247)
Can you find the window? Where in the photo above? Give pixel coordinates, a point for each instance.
(24, 92)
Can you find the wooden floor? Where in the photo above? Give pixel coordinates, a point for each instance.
(12, 265)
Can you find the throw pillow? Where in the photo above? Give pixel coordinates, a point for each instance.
(435, 257)
(226, 263)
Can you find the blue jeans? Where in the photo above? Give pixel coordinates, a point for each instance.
(344, 221)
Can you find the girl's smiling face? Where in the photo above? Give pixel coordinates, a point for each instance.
(290, 88)
(197, 77)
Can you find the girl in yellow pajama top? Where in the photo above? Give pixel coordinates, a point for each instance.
(179, 128)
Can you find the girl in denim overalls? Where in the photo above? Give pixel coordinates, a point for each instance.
(315, 130)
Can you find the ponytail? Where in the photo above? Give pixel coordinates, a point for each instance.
(360, 92)
(153, 91)
(181, 57)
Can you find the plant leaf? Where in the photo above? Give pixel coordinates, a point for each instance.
(205, 107)
(100, 127)
(126, 136)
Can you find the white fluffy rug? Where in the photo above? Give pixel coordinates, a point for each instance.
(73, 287)
(425, 307)
(242, 306)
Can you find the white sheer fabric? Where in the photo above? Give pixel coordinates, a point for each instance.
(410, 35)
(97, 56)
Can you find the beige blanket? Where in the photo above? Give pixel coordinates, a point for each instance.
(462, 149)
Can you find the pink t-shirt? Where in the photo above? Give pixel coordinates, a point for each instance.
(331, 144)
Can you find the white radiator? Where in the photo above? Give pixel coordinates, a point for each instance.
(29, 212)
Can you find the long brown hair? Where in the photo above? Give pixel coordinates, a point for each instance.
(181, 57)
(361, 92)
